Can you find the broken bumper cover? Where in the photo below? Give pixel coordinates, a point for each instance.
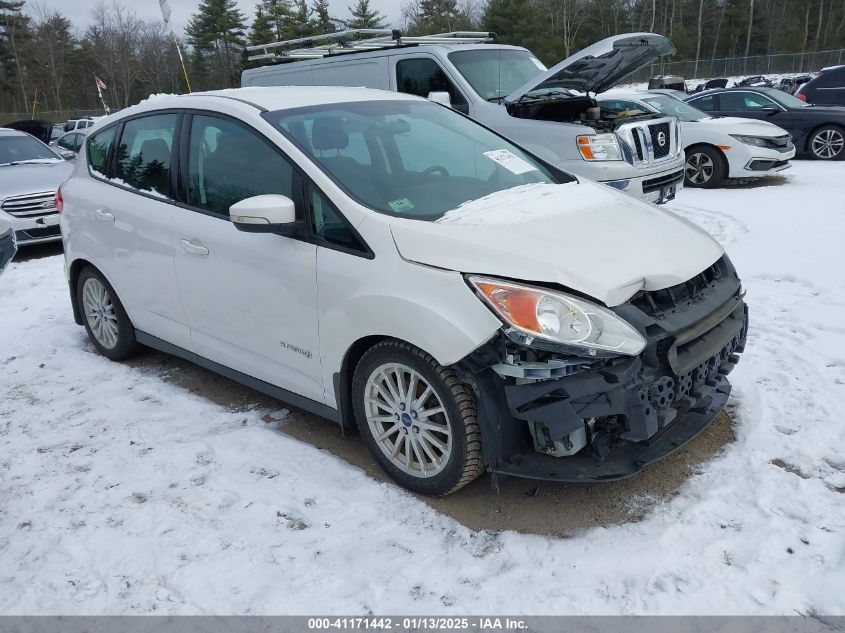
(650, 405)
(7, 248)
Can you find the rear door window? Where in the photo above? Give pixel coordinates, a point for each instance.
(423, 76)
(144, 154)
(708, 103)
(99, 146)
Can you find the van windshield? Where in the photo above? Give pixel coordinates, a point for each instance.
(412, 159)
(497, 72)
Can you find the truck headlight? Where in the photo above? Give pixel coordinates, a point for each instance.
(599, 147)
(558, 317)
(756, 141)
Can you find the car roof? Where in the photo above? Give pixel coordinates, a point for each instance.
(10, 132)
(267, 98)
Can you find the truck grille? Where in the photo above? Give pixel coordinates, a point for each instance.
(34, 205)
(661, 140)
(639, 146)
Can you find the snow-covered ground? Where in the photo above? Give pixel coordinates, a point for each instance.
(122, 493)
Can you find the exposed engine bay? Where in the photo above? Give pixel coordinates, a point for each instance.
(578, 109)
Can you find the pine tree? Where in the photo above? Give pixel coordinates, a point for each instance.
(300, 23)
(279, 13)
(14, 30)
(261, 31)
(216, 31)
(440, 16)
(322, 22)
(363, 17)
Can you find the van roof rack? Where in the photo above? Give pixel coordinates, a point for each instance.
(354, 41)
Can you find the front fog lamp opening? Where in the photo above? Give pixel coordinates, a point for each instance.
(558, 317)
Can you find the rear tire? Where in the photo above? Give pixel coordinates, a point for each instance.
(418, 419)
(827, 143)
(104, 317)
(704, 168)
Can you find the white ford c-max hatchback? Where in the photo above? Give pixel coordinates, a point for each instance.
(387, 263)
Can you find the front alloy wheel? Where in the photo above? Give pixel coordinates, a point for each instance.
(828, 143)
(418, 419)
(704, 167)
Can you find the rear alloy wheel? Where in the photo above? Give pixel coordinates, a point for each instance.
(828, 143)
(704, 168)
(418, 419)
(105, 319)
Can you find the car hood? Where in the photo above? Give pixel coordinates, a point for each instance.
(738, 125)
(18, 180)
(600, 66)
(583, 236)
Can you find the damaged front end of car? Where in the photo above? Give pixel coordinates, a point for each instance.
(549, 412)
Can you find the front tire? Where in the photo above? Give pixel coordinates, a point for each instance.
(104, 317)
(828, 143)
(418, 419)
(704, 168)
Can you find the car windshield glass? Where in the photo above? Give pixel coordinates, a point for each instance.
(785, 99)
(21, 149)
(675, 107)
(497, 72)
(407, 158)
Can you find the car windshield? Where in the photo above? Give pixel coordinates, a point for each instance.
(16, 149)
(784, 99)
(497, 72)
(409, 159)
(675, 107)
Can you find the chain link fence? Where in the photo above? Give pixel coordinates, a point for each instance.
(781, 63)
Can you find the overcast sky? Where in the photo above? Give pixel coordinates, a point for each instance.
(79, 11)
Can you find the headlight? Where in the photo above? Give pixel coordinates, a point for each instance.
(599, 147)
(757, 141)
(559, 318)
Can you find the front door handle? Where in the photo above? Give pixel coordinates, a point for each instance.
(104, 216)
(195, 247)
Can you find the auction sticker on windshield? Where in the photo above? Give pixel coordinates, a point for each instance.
(510, 161)
(403, 204)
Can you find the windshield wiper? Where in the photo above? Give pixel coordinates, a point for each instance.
(33, 161)
(496, 99)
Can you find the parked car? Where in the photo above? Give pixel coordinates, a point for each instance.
(71, 141)
(792, 84)
(385, 262)
(30, 173)
(81, 124)
(716, 148)
(758, 81)
(8, 246)
(40, 129)
(667, 82)
(550, 112)
(828, 88)
(817, 131)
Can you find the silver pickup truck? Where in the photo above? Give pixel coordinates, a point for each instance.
(550, 112)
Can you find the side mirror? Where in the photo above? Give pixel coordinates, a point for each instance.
(442, 98)
(269, 213)
(67, 154)
(771, 110)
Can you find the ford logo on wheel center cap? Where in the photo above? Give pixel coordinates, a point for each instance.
(406, 419)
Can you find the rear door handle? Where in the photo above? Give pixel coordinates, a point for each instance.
(104, 216)
(195, 247)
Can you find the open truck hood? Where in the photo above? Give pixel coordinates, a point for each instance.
(601, 66)
(582, 236)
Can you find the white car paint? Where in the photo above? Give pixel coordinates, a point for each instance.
(719, 132)
(287, 311)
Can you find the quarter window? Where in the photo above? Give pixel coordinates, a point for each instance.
(99, 146)
(228, 163)
(423, 76)
(328, 225)
(143, 155)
